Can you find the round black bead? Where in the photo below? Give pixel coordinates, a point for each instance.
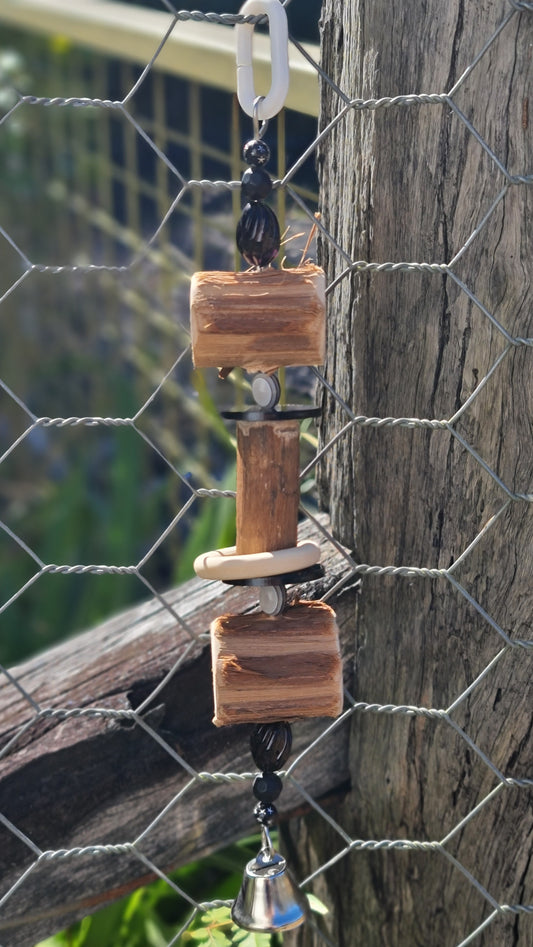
(256, 152)
(265, 812)
(267, 787)
(258, 236)
(271, 744)
(256, 184)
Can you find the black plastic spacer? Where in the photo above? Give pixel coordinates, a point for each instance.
(291, 412)
(286, 578)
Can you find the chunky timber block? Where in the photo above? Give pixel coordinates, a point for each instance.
(268, 668)
(259, 319)
(268, 486)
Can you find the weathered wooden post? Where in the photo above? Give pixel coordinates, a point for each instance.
(412, 182)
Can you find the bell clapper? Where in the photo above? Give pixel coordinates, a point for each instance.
(267, 853)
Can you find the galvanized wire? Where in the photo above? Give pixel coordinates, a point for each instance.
(441, 717)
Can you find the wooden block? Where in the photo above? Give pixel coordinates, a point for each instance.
(258, 320)
(268, 668)
(268, 486)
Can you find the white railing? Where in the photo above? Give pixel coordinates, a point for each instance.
(200, 52)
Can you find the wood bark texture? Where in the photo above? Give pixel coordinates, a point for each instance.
(78, 781)
(268, 485)
(284, 667)
(413, 183)
(258, 319)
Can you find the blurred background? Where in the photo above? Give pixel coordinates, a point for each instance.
(97, 328)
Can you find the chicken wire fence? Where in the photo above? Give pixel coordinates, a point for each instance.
(160, 378)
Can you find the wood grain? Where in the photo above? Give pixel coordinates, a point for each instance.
(260, 319)
(412, 183)
(268, 485)
(284, 667)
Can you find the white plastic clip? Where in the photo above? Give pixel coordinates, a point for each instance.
(271, 104)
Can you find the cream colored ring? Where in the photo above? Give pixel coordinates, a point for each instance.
(226, 565)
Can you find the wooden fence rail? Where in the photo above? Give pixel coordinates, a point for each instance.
(72, 779)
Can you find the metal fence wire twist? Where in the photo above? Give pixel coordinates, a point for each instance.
(445, 717)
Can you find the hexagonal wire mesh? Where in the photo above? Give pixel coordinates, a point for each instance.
(34, 424)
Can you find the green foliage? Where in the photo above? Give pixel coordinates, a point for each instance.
(141, 926)
(214, 525)
(216, 929)
(100, 495)
(154, 914)
(210, 409)
(214, 528)
(316, 905)
(90, 344)
(85, 497)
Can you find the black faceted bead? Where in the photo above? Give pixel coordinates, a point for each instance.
(256, 152)
(265, 812)
(256, 184)
(271, 744)
(267, 787)
(258, 236)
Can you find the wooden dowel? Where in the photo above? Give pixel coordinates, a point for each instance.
(268, 488)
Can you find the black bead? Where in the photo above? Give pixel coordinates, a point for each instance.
(265, 813)
(256, 184)
(271, 744)
(267, 787)
(256, 152)
(258, 236)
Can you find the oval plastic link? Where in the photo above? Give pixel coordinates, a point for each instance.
(271, 104)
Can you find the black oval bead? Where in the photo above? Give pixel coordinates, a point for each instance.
(256, 152)
(264, 812)
(271, 744)
(258, 236)
(256, 184)
(267, 787)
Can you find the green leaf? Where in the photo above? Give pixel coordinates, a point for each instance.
(208, 935)
(105, 927)
(134, 903)
(250, 938)
(58, 940)
(218, 930)
(210, 408)
(219, 915)
(154, 935)
(214, 528)
(316, 904)
(311, 439)
(218, 938)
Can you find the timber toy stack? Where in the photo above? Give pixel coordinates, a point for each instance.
(282, 662)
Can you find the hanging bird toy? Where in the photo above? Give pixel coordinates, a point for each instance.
(282, 662)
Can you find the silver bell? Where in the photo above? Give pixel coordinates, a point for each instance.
(269, 900)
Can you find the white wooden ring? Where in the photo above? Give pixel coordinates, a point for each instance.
(226, 565)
